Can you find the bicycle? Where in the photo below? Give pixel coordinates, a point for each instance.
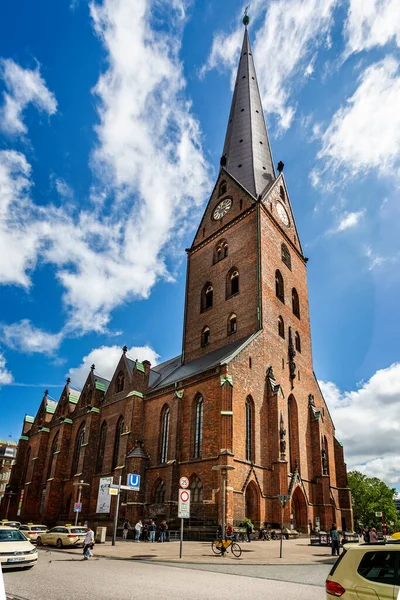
(221, 546)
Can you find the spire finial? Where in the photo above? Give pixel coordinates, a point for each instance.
(92, 368)
(246, 18)
(125, 349)
(68, 380)
(46, 392)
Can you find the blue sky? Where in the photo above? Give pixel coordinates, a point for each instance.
(112, 122)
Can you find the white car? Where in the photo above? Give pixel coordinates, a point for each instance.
(15, 549)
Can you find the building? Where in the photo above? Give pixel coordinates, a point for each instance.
(243, 392)
(8, 452)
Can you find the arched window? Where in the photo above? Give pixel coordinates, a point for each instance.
(279, 286)
(119, 430)
(196, 488)
(119, 384)
(198, 427)
(286, 258)
(295, 303)
(164, 435)
(102, 445)
(207, 296)
(281, 327)
(232, 283)
(297, 342)
(205, 336)
(80, 436)
(249, 428)
(232, 324)
(26, 466)
(282, 193)
(294, 435)
(220, 251)
(222, 188)
(159, 494)
(54, 448)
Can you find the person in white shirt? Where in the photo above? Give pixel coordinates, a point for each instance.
(138, 530)
(89, 540)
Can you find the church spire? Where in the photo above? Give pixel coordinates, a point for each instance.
(247, 153)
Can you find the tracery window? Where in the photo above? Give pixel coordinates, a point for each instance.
(119, 430)
(198, 427)
(221, 251)
(222, 188)
(232, 283)
(232, 324)
(286, 258)
(54, 449)
(196, 488)
(164, 435)
(297, 342)
(119, 384)
(102, 445)
(279, 286)
(159, 494)
(207, 296)
(282, 193)
(80, 436)
(205, 336)
(249, 428)
(281, 327)
(295, 303)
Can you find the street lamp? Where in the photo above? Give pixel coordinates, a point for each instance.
(9, 494)
(224, 472)
(80, 485)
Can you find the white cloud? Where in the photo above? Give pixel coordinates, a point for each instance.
(367, 421)
(106, 359)
(364, 134)
(23, 336)
(5, 375)
(284, 49)
(62, 187)
(350, 220)
(371, 23)
(24, 86)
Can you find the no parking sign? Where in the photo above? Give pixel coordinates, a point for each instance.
(184, 504)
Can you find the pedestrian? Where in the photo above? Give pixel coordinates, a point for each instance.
(366, 535)
(85, 524)
(152, 531)
(88, 544)
(125, 530)
(138, 530)
(163, 530)
(335, 540)
(229, 531)
(249, 530)
(373, 536)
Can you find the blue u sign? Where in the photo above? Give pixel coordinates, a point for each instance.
(134, 481)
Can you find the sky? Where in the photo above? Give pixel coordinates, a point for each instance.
(112, 121)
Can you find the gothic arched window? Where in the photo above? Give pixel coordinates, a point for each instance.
(198, 427)
(281, 327)
(54, 449)
(207, 295)
(222, 188)
(232, 283)
(80, 436)
(297, 342)
(159, 494)
(279, 286)
(232, 324)
(286, 258)
(249, 428)
(220, 251)
(205, 336)
(295, 303)
(119, 430)
(196, 488)
(164, 435)
(119, 384)
(282, 193)
(102, 445)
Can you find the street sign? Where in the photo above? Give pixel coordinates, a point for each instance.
(115, 486)
(184, 504)
(184, 482)
(77, 506)
(134, 481)
(378, 514)
(113, 491)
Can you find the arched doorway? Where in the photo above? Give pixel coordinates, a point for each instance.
(252, 498)
(299, 510)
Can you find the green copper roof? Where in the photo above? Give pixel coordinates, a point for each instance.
(73, 399)
(29, 419)
(8, 443)
(140, 366)
(100, 386)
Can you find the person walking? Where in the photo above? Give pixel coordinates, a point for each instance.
(163, 530)
(335, 540)
(138, 530)
(125, 530)
(88, 544)
(373, 536)
(152, 531)
(249, 530)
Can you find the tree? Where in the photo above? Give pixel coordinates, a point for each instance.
(371, 495)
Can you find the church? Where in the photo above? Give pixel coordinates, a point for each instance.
(242, 394)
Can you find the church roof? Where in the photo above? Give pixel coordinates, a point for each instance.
(247, 153)
(173, 370)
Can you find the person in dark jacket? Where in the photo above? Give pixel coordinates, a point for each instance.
(335, 540)
(249, 530)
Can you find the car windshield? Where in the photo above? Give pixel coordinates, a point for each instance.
(38, 528)
(78, 530)
(11, 535)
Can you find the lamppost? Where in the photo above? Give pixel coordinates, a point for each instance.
(9, 494)
(224, 472)
(80, 485)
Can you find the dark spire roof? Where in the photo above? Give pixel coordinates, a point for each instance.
(247, 153)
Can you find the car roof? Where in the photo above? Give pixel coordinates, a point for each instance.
(375, 546)
(10, 528)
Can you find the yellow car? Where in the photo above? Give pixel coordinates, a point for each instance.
(32, 531)
(366, 572)
(15, 549)
(63, 535)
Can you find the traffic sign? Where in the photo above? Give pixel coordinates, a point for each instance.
(134, 481)
(184, 482)
(77, 506)
(283, 499)
(184, 504)
(115, 486)
(113, 491)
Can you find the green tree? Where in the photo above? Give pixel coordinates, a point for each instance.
(371, 495)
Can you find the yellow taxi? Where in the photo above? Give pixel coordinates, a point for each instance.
(62, 536)
(366, 572)
(7, 523)
(31, 531)
(15, 549)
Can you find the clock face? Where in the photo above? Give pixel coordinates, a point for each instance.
(282, 214)
(222, 209)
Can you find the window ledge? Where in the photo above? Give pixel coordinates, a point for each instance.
(233, 295)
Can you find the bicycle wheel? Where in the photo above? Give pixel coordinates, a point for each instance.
(236, 550)
(216, 549)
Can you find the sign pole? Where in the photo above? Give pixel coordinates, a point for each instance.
(79, 500)
(181, 544)
(116, 512)
(283, 510)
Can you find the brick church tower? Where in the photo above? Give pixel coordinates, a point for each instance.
(243, 394)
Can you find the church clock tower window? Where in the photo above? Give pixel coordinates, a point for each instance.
(281, 327)
(205, 336)
(295, 303)
(297, 343)
(232, 324)
(207, 295)
(279, 286)
(232, 283)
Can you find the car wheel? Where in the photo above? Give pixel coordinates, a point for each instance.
(59, 543)
(39, 541)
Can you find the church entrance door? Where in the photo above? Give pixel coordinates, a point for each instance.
(299, 510)
(253, 503)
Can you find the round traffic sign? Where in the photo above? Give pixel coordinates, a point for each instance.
(184, 496)
(184, 482)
